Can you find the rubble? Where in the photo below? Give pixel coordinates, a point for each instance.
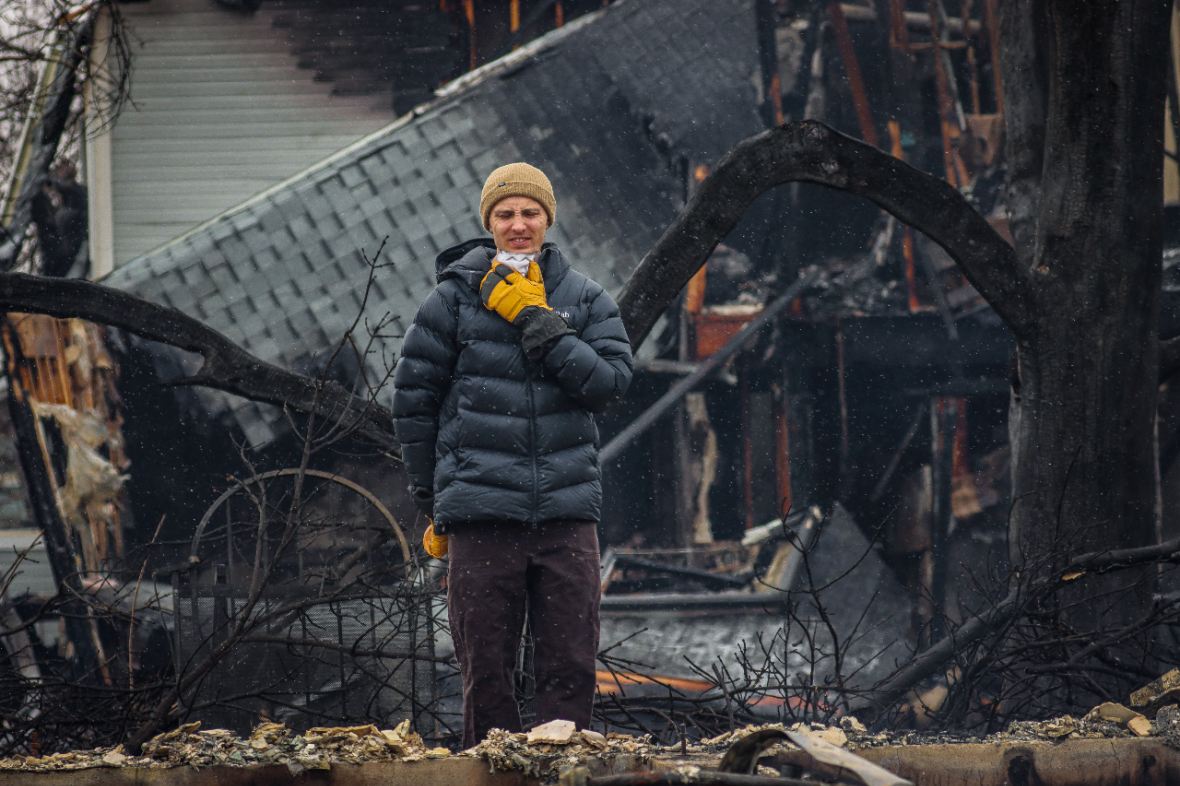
(849, 723)
(1162, 692)
(1107, 720)
(1166, 725)
(834, 735)
(548, 750)
(508, 751)
(269, 743)
(1117, 713)
(559, 732)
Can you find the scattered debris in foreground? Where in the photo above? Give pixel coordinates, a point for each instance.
(552, 751)
(557, 747)
(1160, 693)
(1107, 720)
(269, 743)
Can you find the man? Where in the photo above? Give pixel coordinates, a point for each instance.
(500, 374)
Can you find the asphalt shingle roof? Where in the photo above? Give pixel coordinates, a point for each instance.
(609, 106)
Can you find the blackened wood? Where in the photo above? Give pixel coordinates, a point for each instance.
(812, 152)
(707, 367)
(1023, 39)
(226, 366)
(992, 620)
(943, 420)
(856, 82)
(772, 90)
(713, 580)
(1085, 473)
(40, 487)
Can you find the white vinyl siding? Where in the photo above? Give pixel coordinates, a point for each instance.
(218, 112)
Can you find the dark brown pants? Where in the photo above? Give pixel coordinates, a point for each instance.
(498, 570)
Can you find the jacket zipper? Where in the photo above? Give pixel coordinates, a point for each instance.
(533, 432)
(532, 450)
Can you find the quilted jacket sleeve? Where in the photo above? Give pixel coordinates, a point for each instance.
(594, 368)
(421, 380)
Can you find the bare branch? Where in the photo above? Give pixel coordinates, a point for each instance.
(814, 153)
(934, 659)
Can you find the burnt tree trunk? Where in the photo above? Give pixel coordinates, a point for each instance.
(1088, 226)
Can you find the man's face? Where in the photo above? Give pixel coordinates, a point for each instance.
(518, 225)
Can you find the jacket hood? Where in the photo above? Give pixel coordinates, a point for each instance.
(469, 261)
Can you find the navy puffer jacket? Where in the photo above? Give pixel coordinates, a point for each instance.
(494, 435)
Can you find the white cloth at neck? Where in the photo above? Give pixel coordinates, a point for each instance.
(518, 262)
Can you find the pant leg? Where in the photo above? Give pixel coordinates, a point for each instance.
(486, 596)
(563, 594)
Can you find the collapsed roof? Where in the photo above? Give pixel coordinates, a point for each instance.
(612, 106)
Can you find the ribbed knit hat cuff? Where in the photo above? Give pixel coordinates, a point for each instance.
(511, 189)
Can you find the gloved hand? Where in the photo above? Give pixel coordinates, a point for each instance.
(540, 330)
(435, 545)
(423, 499)
(507, 292)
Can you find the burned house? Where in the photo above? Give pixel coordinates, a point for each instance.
(877, 396)
(883, 388)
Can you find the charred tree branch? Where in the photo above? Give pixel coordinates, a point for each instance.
(935, 659)
(225, 366)
(814, 153)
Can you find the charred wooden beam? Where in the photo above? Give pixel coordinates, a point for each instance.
(772, 89)
(914, 20)
(717, 580)
(226, 366)
(706, 368)
(856, 82)
(814, 153)
(41, 487)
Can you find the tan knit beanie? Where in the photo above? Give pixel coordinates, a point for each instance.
(516, 179)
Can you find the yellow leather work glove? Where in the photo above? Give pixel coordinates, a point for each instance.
(435, 545)
(507, 292)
